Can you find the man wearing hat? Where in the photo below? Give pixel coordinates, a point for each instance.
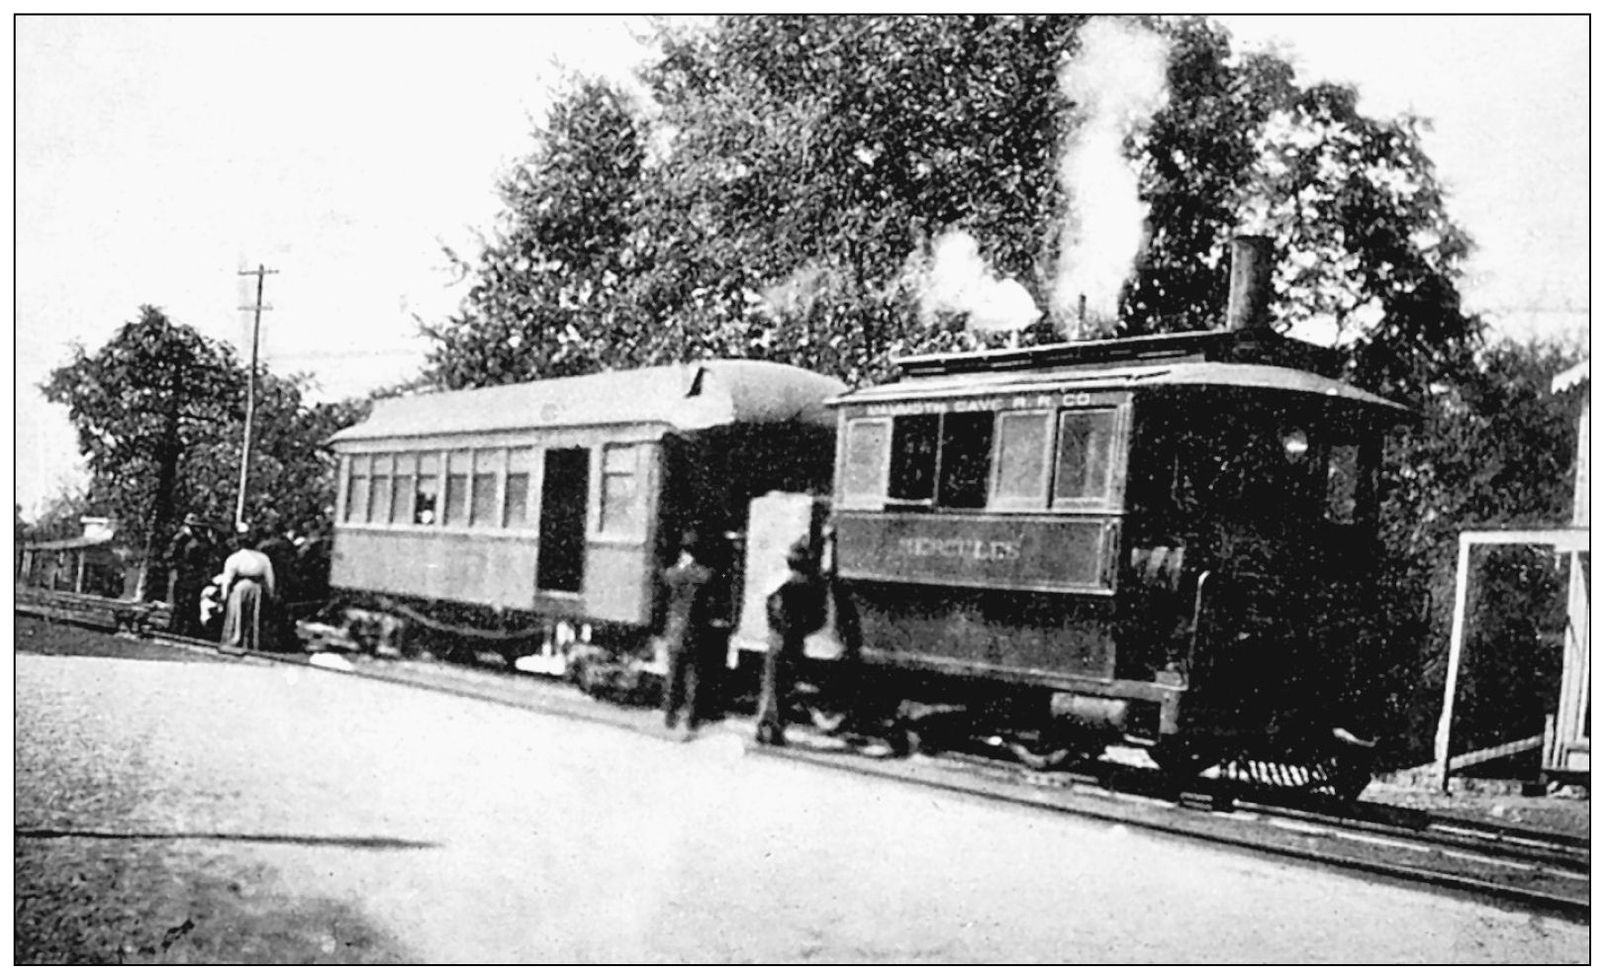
(794, 610)
(190, 558)
(692, 610)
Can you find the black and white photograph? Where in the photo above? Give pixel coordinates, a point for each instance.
(801, 488)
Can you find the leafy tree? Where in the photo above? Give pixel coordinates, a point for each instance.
(1494, 449)
(159, 412)
(60, 517)
(794, 170)
(140, 403)
(544, 300)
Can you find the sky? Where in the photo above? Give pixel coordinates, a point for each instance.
(155, 158)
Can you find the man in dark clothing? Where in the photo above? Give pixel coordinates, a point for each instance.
(312, 563)
(796, 609)
(280, 613)
(191, 558)
(692, 610)
(281, 551)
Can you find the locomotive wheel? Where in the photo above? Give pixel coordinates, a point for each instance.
(1349, 775)
(1181, 760)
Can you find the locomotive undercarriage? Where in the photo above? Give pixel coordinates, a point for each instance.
(1050, 729)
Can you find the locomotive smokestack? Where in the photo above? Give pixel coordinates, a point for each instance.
(1250, 283)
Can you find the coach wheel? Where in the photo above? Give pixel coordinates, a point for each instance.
(828, 721)
(1040, 758)
(904, 738)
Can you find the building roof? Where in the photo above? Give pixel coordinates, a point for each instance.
(1571, 377)
(70, 544)
(691, 396)
(1129, 376)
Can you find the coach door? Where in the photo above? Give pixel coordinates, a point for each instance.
(561, 557)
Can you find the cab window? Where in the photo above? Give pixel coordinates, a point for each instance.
(966, 454)
(913, 467)
(865, 463)
(1083, 461)
(1022, 472)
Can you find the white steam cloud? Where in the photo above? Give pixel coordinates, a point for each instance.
(1117, 82)
(958, 280)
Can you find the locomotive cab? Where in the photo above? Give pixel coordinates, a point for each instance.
(1161, 539)
(1252, 521)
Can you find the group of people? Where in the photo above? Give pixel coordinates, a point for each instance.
(694, 632)
(256, 586)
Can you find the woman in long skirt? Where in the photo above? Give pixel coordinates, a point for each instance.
(248, 581)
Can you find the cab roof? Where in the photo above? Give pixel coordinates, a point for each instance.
(684, 397)
(1130, 376)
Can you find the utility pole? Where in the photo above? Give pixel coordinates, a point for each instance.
(251, 392)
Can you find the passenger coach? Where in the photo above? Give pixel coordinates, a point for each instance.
(562, 497)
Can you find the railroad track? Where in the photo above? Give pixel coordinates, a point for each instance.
(1526, 868)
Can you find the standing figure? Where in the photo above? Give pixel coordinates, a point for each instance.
(691, 612)
(312, 562)
(280, 547)
(796, 609)
(189, 556)
(248, 590)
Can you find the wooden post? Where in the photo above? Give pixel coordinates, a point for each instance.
(251, 395)
(1454, 659)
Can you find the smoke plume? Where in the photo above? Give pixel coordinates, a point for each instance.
(1115, 85)
(958, 280)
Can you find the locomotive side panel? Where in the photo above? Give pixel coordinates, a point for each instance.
(979, 532)
(1048, 639)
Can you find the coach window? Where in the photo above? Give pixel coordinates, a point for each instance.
(456, 511)
(516, 500)
(865, 463)
(1022, 471)
(483, 509)
(426, 492)
(966, 451)
(380, 490)
(1083, 464)
(357, 488)
(622, 513)
(402, 488)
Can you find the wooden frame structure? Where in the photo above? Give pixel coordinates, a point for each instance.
(1575, 542)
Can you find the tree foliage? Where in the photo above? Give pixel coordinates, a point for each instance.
(160, 411)
(1495, 448)
(777, 194)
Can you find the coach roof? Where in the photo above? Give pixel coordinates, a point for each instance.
(691, 396)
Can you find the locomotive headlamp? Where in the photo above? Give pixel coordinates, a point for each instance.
(1295, 445)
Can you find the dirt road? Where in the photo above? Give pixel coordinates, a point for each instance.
(197, 810)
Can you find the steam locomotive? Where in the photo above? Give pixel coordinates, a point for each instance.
(1163, 541)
